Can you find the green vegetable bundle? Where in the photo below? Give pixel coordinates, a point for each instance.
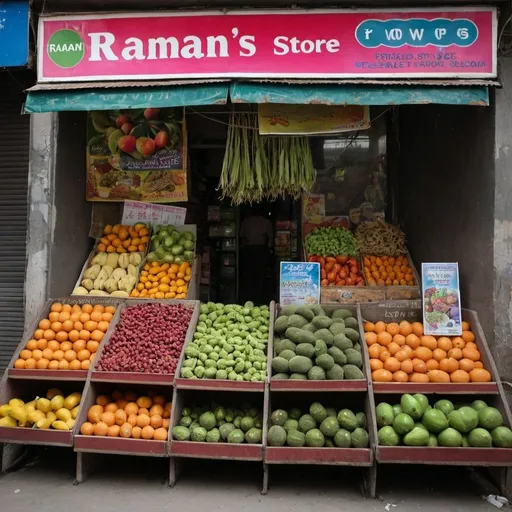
(332, 241)
(257, 167)
(230, 342)
(216, 424)
(319, 427)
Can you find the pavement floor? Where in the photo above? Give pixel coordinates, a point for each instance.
(45, 482)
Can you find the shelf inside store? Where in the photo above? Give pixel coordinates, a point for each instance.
(319, 456)
(132, 377)
(219, 385)
(200, 450)
(46, 437)
(120, 446)
(57, 375)
(319, 385)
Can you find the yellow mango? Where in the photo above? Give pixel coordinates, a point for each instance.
(4, 410)
(44, 424)
(60, 425)
(7, 421)
(44, 405)
(19, 414)
(74, 412)
(16, 402)
(63, 414)
(51, 416)
(57, 402)
(70, 423)
(72, 400)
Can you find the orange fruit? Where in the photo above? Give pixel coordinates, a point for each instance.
(97, 335)
(42, 364)
(460, 376)
(374, 351)
(61, 336)
(466, 326)
(449, 365)
(42, 344)
(108, 418)
(110, 309)
(423, 353)
(63, 365)
(412, 341)
(83, 355)
(75, 365)
(429, 342)
(120, 416)
(73, 335)
(444, 343)
(58, 355)
(393, 348)
(103, 326)
(476, 375)
(30, 363)
(98, 307)
(384, 338)
(106, 317)
(63, 316)
(87, 308)
(471, 353)
(92, 346)
(392, 364)
(466, 364)
(19, 363)
(370, 338)
(376, 364)
(384, 355)
(402, 355)
(136, 432)
(67, 325)
(102, 400)
(419, 366)
(148, 432)
(418, 377)
(156, 421)
(456, 353)
(439, 354)
(38, 334)
(407, 366)
(393, 328)
(90, 325)
(48, 354)
(458, 342)
(417, 328)
(25, 354)
(56, 326)
(470, 344)
(382, 376)
(100, 429)
(37, 354)
(468, 336)
(49, 335)
(85, 365)
(56, 306)
(399, 339)
(53, 316)
(405, 328)
(113, 431)
(369, 326)
(79, 345)
(479, 364)
(143, 420)
(379, 327)
(432, 364)
(400, 376)
(111, 407)
(438, 376)
(44, 324)
(53, 365)
(67, 307)
(70, 355)
(32, 345)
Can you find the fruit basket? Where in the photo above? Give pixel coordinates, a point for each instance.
(28, 391)
(47, 344)
(359, 384)
(437, 362)
(222, 384)
(114, 442)
(124, 336)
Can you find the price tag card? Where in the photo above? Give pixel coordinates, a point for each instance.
(173, 215)
(299, 283)
(137, 211)
(441, 299)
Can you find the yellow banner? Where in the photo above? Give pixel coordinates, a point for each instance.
(277, 119)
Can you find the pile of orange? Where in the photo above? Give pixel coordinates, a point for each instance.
(121, 239)
(388, 271)
(68, 339)
(402, 353)
(163, 281)
(128, 415)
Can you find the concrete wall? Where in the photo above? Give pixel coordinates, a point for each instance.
(71, 242)
(503, 223)
(446, 195)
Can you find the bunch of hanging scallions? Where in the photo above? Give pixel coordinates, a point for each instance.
(259, 167)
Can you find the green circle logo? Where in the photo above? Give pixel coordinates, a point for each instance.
(66, 48)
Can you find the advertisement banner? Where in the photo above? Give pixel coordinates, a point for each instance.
(441, 299)
(299, 283)
(137, 154)
(406, 43)
(276, 119)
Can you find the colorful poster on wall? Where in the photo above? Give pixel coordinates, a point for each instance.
(284, 119)
(299, 283)
(138, 154)
(441, 299)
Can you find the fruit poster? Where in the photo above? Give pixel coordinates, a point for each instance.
(441, 299)
(299, 283)
(138, 154)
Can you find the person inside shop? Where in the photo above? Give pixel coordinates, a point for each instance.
(256, 236)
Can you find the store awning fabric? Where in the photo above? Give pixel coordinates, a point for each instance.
(331, 94)
(86, 99)
(113, 96)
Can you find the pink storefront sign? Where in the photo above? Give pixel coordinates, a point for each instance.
(407, 43)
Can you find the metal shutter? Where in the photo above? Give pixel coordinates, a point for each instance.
(14, 161)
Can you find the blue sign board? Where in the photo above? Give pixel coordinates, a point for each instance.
(14, 23)
(299, 283)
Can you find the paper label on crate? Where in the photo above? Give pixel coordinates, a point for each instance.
(299, 283)
(138, 211)
(441, 299)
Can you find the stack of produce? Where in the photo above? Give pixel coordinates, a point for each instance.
(378, 238)
(309, 345)
(129, 415)
(53, 412)
(148, 338)
(416, 423)
(401, 353)
(230, 342)
(68, 339)
(163, 281)
(168, 245)
(388, 271)
(110, 274)
(322, 427)
(220, 424)
(121, 239)
(335, 248)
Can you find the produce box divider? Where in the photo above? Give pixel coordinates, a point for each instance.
(111, 445)
(204, 450)
(318, 385)
(226, 385)
(396, 311)
(458, 456)
(61, 375)
(139, 377)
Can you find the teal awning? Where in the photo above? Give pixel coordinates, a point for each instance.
(345, 94)
(40, 99)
